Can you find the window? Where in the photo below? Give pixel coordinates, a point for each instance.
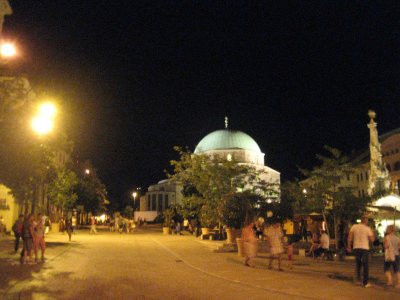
(389, 168)
(397, 166)
(358, 178)
(362, 193)
(366, 175)
(166, 201)
(348, 177)
(229, 157)
(148, 202)
(153, 202)
(361, 177)
(160, 196)
(359, 193)
(397, 150)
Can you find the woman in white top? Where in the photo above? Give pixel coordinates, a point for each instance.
(274, 237)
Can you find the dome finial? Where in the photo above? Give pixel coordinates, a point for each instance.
(226, 122)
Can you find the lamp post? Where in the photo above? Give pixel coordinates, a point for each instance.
(134, 194)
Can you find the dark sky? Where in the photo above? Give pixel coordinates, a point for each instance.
(138, 77)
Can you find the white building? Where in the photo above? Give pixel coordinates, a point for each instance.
(225, 143)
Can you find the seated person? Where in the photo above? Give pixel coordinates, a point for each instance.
(324, 244)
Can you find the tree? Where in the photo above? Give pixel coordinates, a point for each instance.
(207, 180)
(62, 190)
(92, 193)
(28, 162)
(328, 191)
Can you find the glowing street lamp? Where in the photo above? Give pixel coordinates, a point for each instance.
(43, 122)
(87, 171)
(7, 50)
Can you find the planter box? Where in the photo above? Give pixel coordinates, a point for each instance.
(302, 252)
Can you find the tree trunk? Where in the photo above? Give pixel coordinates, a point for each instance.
(336, 222)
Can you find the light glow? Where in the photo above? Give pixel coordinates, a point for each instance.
(42, 125)
(7, 50)
(43, 122)
(47, 110)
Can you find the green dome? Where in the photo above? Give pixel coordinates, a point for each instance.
(227, 139)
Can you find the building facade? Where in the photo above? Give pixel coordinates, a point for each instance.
(223, 144)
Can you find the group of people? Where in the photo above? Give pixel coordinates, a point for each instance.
(123, 225)
(274, 237)
(32, 231)
(359, 240)
(360, 237)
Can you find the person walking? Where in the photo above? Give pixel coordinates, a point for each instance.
(68, 227)
(391, 244)
(93, 225)
(74, 224)
(274, 237)
(250, 243)
(28, 235)
(17, 229)
(359, 237)
(39, 238)
(47, 225)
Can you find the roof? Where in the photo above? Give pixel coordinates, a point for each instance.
(227, 139)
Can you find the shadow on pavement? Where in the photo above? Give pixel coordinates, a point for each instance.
(12, 273)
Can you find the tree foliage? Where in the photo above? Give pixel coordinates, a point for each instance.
(92, 193)
(62, 190)
(329, 191)
(207, 180)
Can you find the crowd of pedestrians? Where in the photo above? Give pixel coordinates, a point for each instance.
(358, 242)
(32, 231)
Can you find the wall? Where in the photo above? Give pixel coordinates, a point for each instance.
(11, 213)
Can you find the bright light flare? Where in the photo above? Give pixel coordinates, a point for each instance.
(43, 122)
(47, 110)
(42, 125)
(87, 171)
(7, 50)
(134, 194)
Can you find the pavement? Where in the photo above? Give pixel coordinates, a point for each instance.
(149, 265)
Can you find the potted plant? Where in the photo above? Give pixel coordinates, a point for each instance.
(207, 219)
(231, 214)
(167, 214)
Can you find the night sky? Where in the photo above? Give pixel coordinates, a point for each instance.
(138, 77)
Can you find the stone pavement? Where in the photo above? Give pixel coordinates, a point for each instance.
(149, 265)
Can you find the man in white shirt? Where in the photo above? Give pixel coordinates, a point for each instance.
(360, 236)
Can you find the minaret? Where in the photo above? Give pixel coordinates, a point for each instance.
(379, 175)
(226, 122)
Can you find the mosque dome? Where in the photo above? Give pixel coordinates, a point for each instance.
(227, 139)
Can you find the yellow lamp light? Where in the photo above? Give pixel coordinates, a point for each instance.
(7, 50)
(42, 125)
(47, 110)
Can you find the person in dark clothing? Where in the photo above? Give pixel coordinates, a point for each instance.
(68, 228)
(17, 229)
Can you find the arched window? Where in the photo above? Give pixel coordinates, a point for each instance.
(397, 166)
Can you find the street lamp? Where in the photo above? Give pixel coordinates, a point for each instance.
(43, 122)
(87, 171)
(7, 50)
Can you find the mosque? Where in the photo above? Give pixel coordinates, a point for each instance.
(224, 143)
